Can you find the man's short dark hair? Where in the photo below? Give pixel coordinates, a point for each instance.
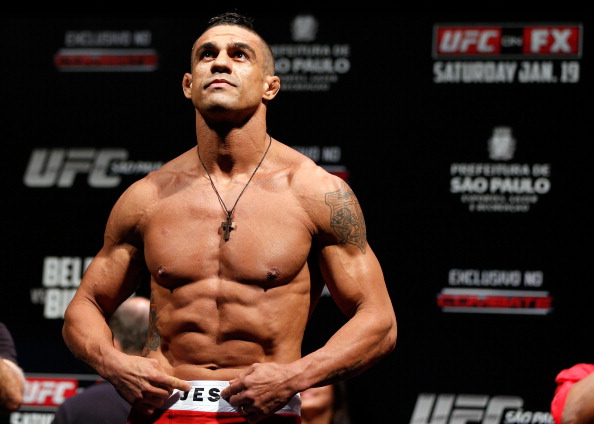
(232, 18)
(247, 22)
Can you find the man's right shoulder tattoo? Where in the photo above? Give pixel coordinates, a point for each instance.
(346, 217)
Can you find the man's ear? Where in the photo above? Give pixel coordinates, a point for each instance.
(271, 87)
(187, 85)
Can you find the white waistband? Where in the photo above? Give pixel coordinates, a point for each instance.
(205, 396)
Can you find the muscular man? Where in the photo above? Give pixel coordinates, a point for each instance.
(12, 378)
(234, 234)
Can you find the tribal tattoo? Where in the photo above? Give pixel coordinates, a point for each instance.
(346, 217)
(342, 373)
(153, 338)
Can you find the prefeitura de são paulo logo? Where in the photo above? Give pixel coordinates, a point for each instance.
(500, 185)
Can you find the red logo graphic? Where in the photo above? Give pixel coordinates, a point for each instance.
(465, 40)
(106, 60)
(495, 301)
(48, 392)
(489, 40)
(552, 40)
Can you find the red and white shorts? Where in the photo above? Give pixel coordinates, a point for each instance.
(203, 405)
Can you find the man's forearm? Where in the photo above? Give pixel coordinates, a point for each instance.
(87, 335)
(360, 343)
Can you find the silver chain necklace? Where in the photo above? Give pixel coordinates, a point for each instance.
(228, 224)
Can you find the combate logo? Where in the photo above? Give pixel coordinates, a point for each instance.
(495, 291)
(107, 51)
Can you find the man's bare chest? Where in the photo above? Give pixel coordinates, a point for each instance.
(265, 244)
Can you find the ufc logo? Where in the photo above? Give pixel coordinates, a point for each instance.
(462, 409)
(48, 392)
(469, 40)
(543, 40)
(59, 167)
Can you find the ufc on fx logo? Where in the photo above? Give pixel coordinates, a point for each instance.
(60, 166)
(495, 40)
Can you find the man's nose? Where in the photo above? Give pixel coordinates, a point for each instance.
(222, 62)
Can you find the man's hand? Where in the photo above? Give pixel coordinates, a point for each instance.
(260, 390)
(144, 383)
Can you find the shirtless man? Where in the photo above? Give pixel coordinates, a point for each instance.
(234, 233)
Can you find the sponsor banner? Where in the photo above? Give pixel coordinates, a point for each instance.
(306, 65)
(508, 41)
(449, 408)
(483, 301)
(491, 291)
(107, 51)
(500, 186)
(100, 167)
(44, 393)
(488, 53)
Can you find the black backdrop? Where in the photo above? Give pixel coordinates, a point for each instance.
(470, 157)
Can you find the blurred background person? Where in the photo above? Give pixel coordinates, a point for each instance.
(325, 405)
(101, 403)
(12, 378)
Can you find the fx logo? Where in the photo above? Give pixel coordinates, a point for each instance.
(59, 167)
(551, 40)
(462, 409)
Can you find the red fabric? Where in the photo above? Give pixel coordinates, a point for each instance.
(565, 379)
(199, 417)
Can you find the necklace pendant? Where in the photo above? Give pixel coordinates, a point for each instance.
(227, 227)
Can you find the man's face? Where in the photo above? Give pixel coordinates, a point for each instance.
(227, 72)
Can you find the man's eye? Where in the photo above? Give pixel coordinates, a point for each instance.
(239, 55)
